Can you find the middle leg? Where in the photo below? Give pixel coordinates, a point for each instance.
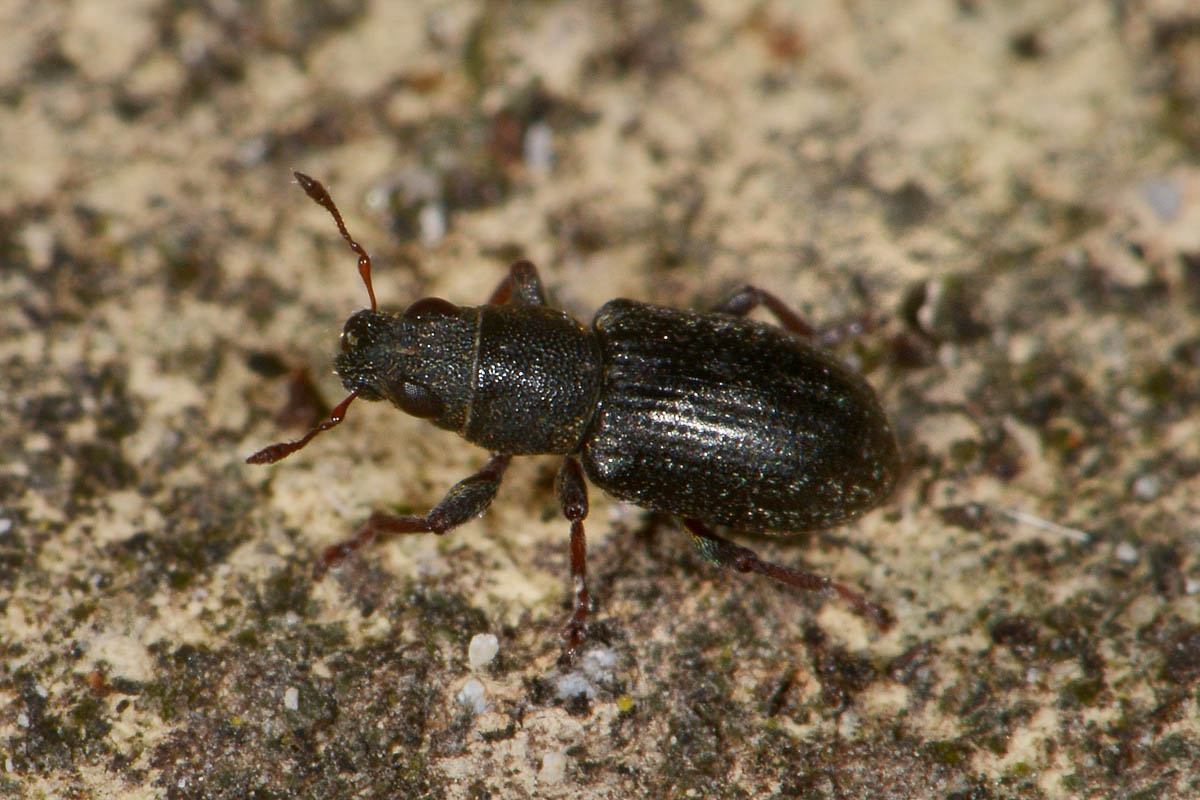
(572, 497)
(748, 297)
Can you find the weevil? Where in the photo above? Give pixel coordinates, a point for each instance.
(711, 417)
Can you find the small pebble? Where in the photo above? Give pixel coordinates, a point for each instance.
(1163, 196)
(572, 685)
(470, 696)
(432, 221)
(482, 649)
(1147, 487)
(1126, 552)
(538, 148)
(554, 767)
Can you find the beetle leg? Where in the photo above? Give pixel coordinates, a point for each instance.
(522, 285)
(468, 499)
(747, 298)
(724, 553)
(572, 497)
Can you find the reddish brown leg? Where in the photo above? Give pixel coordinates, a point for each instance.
(724, 553)
(572, 497)
(468, 499)
(521, 285)
(747, 298)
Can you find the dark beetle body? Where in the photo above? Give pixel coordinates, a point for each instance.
(709, 416)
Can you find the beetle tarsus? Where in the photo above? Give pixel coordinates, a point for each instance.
(747, 298)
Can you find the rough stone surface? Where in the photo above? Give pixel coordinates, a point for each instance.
(1010, 192)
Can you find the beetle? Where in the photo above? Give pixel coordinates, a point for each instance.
(711, 417)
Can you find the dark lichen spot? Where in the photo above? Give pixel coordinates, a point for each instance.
(908, 205)
(101, 468)
(284, 591)
(500, 734)
(1027, 45)
(949, 752)
(965, 453)
(82, 611)
(1081, 692)
(1166, 564)
(1181, 664)
(266, 364)
(970, 516)
(1016, 632)
(448, 614)
(1003, 456)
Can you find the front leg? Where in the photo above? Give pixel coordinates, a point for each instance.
(521, 285)
(468, 499)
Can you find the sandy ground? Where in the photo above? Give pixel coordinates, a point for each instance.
(1009, 192)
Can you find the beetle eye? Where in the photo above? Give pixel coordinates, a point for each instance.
(430, 307)
(415, 399)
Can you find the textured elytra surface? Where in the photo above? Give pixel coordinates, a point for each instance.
(1008, 188)
(733, 422)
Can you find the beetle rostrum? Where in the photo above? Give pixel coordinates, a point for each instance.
(711, 417)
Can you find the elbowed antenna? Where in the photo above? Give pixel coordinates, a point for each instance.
(313, 188)
(276, 452)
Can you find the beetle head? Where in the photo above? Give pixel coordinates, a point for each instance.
(420, 359)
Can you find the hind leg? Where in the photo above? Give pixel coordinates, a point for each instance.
(724, 553)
